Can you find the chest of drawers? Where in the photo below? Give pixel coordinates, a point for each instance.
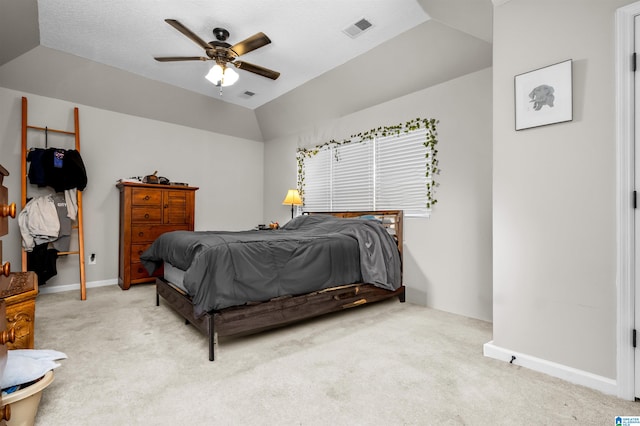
(146, 212)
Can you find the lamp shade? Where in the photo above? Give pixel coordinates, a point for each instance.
(292, 198)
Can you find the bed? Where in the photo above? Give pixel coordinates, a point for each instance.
(235, 283)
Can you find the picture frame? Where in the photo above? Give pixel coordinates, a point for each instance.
(544, 96)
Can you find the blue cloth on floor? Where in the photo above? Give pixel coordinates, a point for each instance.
(27, 365)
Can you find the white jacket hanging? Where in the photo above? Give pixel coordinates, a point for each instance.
(38, 222)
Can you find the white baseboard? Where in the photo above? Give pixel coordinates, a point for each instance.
(75, 287)
(570, 374)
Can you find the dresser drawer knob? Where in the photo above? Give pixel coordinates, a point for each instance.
(6, 269)
(140, 252)
(141, 234)
(147, 198)
(9, 210)
(146, 215)
(8, 336)
(5, 412)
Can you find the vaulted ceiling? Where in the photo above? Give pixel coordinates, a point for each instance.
(101, 53)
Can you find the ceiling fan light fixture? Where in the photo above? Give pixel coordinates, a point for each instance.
(215, 74)
(229, 77)
(222, 76)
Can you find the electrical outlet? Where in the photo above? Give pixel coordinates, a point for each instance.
(92, 259)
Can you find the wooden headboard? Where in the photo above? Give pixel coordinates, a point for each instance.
(391, 219)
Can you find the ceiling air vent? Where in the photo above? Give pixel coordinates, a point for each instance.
(247, 94)
(358, 28)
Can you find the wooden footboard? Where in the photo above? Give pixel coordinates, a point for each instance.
(240, 320)
(286, 310)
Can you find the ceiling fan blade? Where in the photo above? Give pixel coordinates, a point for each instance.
(180, 58)
(252, 43)
(186, 31)
(256, 69)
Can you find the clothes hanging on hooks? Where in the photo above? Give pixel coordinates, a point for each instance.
(45, 227)
(38, 222)
(63, 242)
(71, 198)
(43, 261)
(58, 168)
(36, 171)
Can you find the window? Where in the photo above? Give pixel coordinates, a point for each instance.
(386, 171)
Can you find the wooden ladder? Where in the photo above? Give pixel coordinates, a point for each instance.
(78, 225)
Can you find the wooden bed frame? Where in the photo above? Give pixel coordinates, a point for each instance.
(252, 318)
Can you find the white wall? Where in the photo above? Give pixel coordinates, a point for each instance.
(228, 171)
(554, 190)
(447, 257)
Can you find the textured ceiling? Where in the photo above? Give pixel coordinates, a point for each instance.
(307, 37)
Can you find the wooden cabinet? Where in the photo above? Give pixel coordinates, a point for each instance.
(7, 333)
(146, 212)
(19, 292)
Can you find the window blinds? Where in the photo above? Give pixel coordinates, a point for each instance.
(385, 173)
(401, 181)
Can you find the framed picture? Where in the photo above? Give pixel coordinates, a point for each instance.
(544, 96)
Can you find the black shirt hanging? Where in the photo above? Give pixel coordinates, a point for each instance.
(58, 168)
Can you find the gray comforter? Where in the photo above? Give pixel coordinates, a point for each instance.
(309, 253)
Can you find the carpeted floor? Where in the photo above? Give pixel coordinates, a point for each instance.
(132, 363)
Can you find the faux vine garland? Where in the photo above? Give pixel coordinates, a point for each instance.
(430, 143)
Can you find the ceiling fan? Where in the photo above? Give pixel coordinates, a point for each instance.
(222, 52)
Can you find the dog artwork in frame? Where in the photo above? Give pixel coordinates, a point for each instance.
(544, 96)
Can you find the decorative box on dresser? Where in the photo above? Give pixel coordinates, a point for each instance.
(146, 212)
